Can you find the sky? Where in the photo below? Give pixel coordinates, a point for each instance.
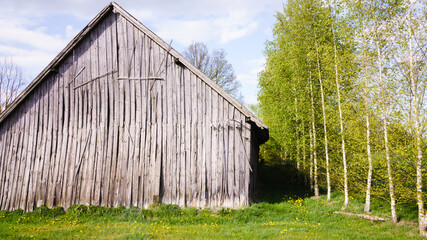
(32, 33)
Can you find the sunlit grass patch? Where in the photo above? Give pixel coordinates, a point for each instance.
(293, 218)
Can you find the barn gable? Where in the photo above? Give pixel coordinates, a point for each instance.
(121, 118)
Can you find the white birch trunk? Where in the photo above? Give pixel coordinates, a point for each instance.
(368, 141)
(344, 159)
(316, 185)
(390, 177)
(311, 158)
(420, 202)
(328, 183)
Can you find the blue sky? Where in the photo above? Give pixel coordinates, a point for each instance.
(32, 33)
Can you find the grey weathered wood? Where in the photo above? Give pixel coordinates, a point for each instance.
(181, 126)
(195, 172)
(231, 155)
(22, 157)
(18, 163)
(120, 118)
(220, 160)
(209, 149)
(248, 168)
(215, 157)
(174, 132)
(55, 101)
(132, 102)
(158, 129)
(48, 145)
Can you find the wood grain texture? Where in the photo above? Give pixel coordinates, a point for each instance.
(117, 120)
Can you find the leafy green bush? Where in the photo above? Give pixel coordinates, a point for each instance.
(77, 210)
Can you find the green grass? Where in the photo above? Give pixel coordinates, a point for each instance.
(282, 213)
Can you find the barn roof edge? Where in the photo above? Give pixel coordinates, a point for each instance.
(116, 8)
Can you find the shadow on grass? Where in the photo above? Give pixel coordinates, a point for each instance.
(275, 182)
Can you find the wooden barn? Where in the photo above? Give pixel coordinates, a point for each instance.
(121, 118)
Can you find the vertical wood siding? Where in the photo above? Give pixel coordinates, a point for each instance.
(122, 123)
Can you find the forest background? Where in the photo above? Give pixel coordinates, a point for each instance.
(343, 93)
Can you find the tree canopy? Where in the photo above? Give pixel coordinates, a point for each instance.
(215, 66)
(343, 91)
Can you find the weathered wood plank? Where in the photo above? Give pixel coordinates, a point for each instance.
(174, 131)
(143, 125)
(102, 106)
(164, 161)
(181, 126)
(26, 203)
(17, 155)
(5, 140)
(231, 156)
(187, 142)
(248, 168)
(194, 141)
(10, 163)
(203, 138)
(215, 150)
(220, 159)
(137, 119)
(96, 148)
(169, 96)
(157, 141)
(225, 196)
(124, 110)
(112, 199)
(53, 113)
(237, 156)
(209, 145)
(58, 136)
(199, 143)
(242, 160)
(73, 125)
(40, 147)
(64, 155)
(48, 146)
(131, 110)
(108, 108)
(20, 156)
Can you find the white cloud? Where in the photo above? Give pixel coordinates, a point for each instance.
(185, 31)
(28, 44)
(32, 61)
(31, 42)
(222, 28)
(161, 8)
(70, 32)
(13, 33)
(235, 25)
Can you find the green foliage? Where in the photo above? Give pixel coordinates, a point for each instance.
(362, 29)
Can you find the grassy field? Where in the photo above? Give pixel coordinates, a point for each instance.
(278, 215)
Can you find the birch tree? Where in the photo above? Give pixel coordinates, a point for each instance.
(415, 101)
(344, 159)
(11, 80)
(409, 50)
(215, 66)
(379, 10)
